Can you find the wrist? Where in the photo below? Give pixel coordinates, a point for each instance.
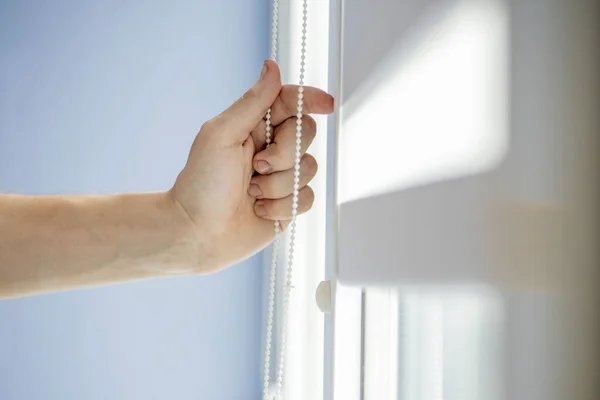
(185, 244)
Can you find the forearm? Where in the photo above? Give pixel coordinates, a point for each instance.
(65, 242)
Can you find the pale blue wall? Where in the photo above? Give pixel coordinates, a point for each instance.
(106, 96)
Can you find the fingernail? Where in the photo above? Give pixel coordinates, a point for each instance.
(254, 190)
(260, 210)
(263, 167)
(264, 70)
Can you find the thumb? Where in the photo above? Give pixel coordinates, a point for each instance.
(239, 119)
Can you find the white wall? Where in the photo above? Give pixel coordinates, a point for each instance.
(103, 97)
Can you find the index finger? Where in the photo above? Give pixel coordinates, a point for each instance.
(315, 101)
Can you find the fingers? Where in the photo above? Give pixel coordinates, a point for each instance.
(315, 101)
(239, 119)
(281, 209)
(281, 184)
(280, 155)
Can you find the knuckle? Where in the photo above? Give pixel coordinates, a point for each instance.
(290, 124)
(209, 126)
(311, 166)
(308, 197)
(276, 154)
(249, 94)
(310, 125)
(286, 108)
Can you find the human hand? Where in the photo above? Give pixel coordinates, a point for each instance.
(232, 187)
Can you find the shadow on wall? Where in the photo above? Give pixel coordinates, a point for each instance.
(468, 155)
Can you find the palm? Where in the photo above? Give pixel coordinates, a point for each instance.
(213, 189)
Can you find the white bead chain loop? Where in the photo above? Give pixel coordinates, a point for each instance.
(295, 194)
(273, 266)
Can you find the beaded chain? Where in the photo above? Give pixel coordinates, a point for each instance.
(277, 226)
